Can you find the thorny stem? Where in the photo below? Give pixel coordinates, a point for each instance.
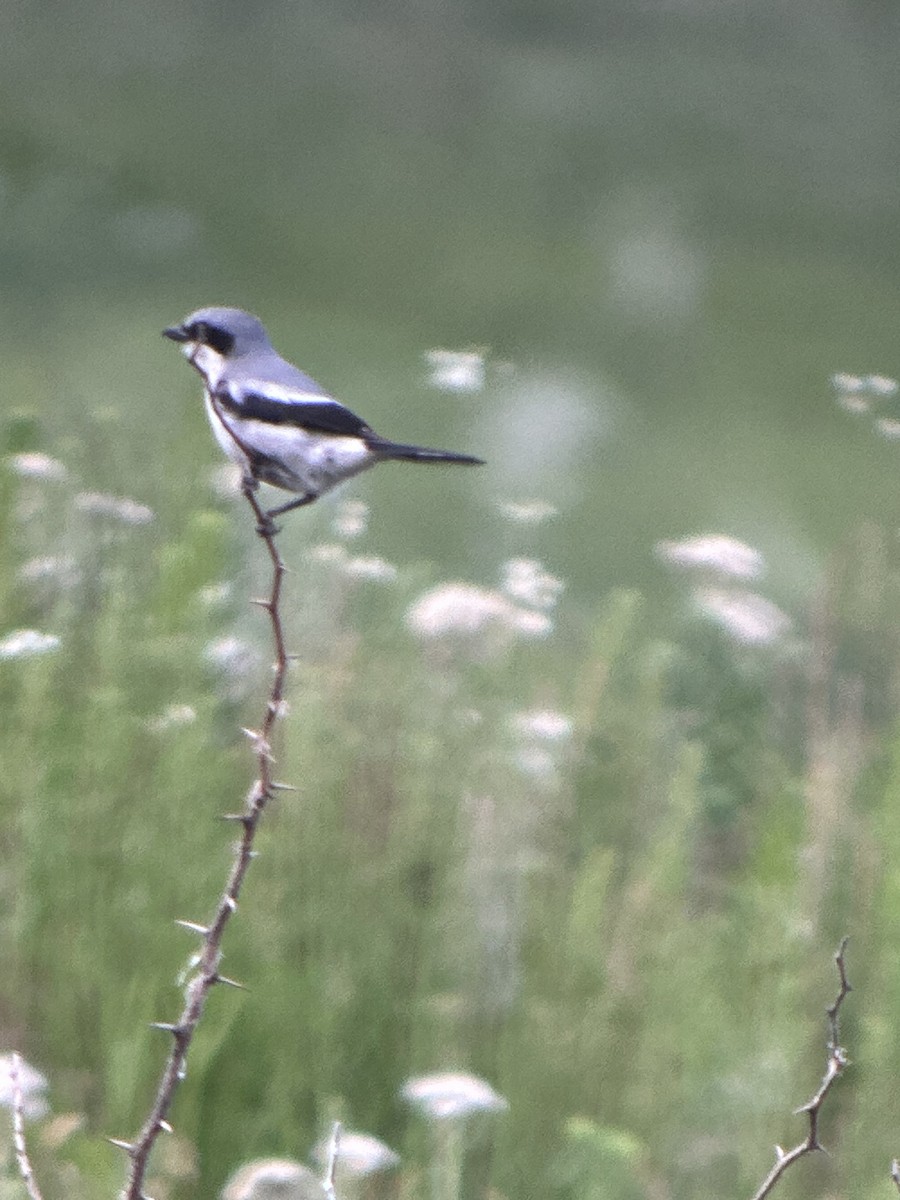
(837, 1060)
(18, 1114)
(206, 965)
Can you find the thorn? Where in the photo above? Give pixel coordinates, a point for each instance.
(121, 1144)
(167, 1027)
(230, 982)
(282, 787)
(165, 1126)
(193, 927)
(262, 603)
(242, 817)
(259, 740)
(230, 903)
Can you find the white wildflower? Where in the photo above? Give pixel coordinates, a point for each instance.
(854, 402)
(449, 1095)
(464, 610)
(715, 553)
(888, 427)
(216, 595)
(358, 1154)
(841, 381)
(748, 617)
(881, 385)
(172, 717)
(32, 1085)
(537, 763)
(525, 580)
(376, 570)
(855, 392)
(235, 661)
(273, 1179)
(118, 508)
(328, 553)
(58, 570)
(351, 520)
(527, 512)
(542, 735)
(27, 643)
(456, 370)
(225, 480)
(542, 724)
(32, 464)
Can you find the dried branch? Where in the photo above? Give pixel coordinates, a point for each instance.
(18, 1115)
(205, 965)
(837, 1060)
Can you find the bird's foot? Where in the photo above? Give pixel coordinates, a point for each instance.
(267, 527)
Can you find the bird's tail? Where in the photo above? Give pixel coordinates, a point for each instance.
(396, 450)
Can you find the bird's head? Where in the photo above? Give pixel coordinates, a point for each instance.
(211, 336)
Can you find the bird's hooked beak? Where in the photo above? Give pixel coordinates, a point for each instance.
(176, 333)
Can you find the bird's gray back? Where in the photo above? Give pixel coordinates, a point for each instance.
(265, 367)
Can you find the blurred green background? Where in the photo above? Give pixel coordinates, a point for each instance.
(666, 226)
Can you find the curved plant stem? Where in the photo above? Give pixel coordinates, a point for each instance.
(837, 1061)
(205, 966)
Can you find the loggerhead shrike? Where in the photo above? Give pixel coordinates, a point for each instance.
(279, 425)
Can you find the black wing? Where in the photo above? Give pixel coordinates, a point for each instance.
(318, 416)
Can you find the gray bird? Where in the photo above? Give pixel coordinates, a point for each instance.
(276, 423)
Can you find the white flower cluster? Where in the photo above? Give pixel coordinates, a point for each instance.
(716, 552)
(455, 370)
(748, 617)
(542, 736)
(115, 508)
(488, 620)
(27, 643)
(857, 393)
(451, 1095)
(32, 1087)
(463, 610)
(34, 465)
(527, 512)
(369, 567)
(717, 563)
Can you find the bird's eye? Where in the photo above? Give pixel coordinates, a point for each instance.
(218, 339)
(213, 336)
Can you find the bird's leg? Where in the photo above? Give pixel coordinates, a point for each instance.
(266, 527)
(291, 504)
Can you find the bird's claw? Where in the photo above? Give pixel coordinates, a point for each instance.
(267, 527)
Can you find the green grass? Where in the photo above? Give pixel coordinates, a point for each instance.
(629, 936)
